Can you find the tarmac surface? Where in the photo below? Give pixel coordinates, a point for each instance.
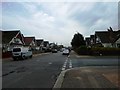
(89, 77)
(86, 76)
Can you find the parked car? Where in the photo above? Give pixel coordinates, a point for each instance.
(21, 53)
(65, 52)
(54, 50)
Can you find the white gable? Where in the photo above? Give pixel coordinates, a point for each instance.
(32, 43)
(118, 41)
(16, 40)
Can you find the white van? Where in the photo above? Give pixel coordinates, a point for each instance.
(21, 53)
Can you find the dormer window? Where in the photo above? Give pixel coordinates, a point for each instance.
(98, 40)
(16, 40)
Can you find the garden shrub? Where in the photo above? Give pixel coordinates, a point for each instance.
(83, 50)
(105, 51)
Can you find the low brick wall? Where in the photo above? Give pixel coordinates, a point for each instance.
(7, 54)
(36, 52)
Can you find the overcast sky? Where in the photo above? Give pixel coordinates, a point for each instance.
(59, 21)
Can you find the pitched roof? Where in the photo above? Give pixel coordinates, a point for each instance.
(45, 43)
(39, 41)
(108, 36)
(92, 36)
(7, 36)
(28, 40)
(87, 39)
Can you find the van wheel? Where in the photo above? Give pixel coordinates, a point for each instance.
(31, 56)
(23, 57)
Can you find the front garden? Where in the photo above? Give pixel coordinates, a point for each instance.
(98, 51)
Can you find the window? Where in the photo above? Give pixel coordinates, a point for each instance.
(16, 40)
(16, 50)
(118, 45)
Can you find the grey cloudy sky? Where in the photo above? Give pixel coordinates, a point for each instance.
(59, 21)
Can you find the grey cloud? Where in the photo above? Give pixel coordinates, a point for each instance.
(106, 11)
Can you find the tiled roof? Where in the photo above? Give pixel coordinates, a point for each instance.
(7, 36)
(108, 36)
(28, 40)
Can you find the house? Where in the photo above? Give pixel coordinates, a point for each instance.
(117, 42)
(46, 44)
(30, 42)
(108, 38)
(0, 43)
(52, 45)
(11, 39)
(87, 40)
(40, 44)
(90, 41)
(0, 39)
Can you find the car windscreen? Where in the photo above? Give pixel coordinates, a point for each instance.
(16, 50)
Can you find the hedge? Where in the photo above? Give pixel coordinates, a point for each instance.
(83, 50)
(106, 51)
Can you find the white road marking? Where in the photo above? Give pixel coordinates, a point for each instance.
(70, 64)
(49, 63)
(63, 69)
(67, 61)
(68, 55)
(65, 64)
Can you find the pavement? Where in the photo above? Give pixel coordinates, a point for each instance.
(89, 77)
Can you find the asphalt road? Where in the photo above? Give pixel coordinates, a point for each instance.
(42, 70)
(39, 72)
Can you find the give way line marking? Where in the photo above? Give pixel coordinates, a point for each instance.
(67, 61)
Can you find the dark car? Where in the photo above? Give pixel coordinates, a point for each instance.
(54, 50)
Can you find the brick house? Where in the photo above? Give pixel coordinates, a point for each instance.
(40, 44)
(108, 38)
(30, 42)
(87, 40)
(11, 39)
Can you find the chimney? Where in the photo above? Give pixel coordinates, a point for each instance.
(110, 31)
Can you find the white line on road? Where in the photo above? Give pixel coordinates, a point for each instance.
(70, 64)
(63, 69)
(65, 64)
(50, 63)
(68, 56)
(67, 61)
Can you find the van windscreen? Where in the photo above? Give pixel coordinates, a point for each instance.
(16, 50)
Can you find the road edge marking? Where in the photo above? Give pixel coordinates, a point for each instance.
(70, 64)
(60, 79)
(64, 65)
